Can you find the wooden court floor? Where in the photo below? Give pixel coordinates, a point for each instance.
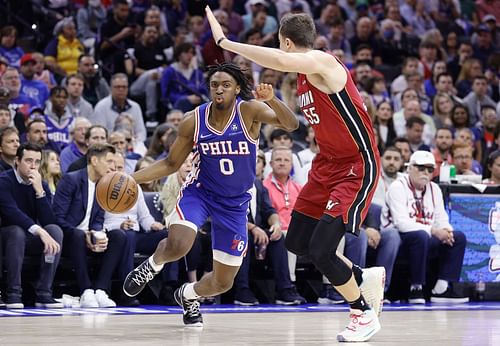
(303, 328)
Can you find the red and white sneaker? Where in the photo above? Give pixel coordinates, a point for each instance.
(372, 288)
(363, 325)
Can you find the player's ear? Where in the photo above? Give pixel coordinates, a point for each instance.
(238, 89)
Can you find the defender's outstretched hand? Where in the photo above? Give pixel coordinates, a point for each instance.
(263, 92)
(214, 25)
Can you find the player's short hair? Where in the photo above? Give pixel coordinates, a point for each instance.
(298, 27)
(99, 150)
(235, 72)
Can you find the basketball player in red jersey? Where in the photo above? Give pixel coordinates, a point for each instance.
(344, 174)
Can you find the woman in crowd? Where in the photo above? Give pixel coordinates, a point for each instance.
(50, 169)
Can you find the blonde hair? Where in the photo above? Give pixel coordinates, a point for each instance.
(51, 179)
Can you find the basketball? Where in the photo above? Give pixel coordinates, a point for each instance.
(116, 192)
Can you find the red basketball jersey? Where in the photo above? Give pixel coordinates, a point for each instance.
(341, 124)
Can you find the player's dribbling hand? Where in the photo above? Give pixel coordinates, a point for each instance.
(263, 92)
(217, 32)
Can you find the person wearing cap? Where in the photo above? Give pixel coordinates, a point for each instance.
(483, 48)
(414, 207)
(30, 86)
(491, 22)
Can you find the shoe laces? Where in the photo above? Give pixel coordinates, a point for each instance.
(192, 307)
(143, 274)
(354, 321)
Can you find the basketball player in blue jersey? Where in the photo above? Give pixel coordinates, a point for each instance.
(224, 133)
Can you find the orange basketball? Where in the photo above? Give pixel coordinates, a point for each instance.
(116, 192)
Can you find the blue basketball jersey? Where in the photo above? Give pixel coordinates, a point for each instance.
(224, 163)
(59, 133)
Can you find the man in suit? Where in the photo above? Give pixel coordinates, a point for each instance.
(81, 218)
(28, 227)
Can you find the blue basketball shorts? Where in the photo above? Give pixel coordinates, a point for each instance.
(228, 218)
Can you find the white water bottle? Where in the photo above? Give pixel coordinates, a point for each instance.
(444, 173)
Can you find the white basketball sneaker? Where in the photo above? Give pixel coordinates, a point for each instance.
(372, 288)
(362, 326)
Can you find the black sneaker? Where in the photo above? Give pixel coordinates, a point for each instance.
(14, 302)
(137, 279)
(449, 297)
(48, 303)
(416, 296)
(190, 307)
(289, 296)
(245, 297)
(329, 295)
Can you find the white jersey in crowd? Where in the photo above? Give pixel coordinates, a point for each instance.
(407, 209)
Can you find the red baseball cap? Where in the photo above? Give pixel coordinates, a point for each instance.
(27, 58)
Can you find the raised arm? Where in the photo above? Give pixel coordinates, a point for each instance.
(179, 150)
(275, 112)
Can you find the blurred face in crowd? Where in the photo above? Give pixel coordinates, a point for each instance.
(420, 175)
(444, 84)
(384, 112)
(9, 40)
(150, 35)
(479, 86)
(37, 134)
(392, 161)
(414, 81)
(40, 62)
(412, 109)
(444, 104)
(414, 133)
(11, 81)
(28, 164)
(465, 51)
(119, 89)
(4, 118)
(119, 162)
(53, 164)
(410, 67)
(281, 162)
(282, 141)
(243, 63)
(175, 117)
(255, 39)
(489, 118)
(484, 39)
(465, 136)
(269, 76)
(97, 136)
(364, 28)
(59, 101)
(495, 170)
(118, 140)
(186, 57)
(462, 158)
(408, 96)
(81, 127)
(28, 69)
(363, 71)
(439, 67)
(69, 31)
(9, 145)
(86, 67)
(185, 168)
(460, 116)
(364, 55)
(405, 150)
(259, 167)
(121, 12)
(153, 18)
(75, 87)
(444, 140)
(196, 24)
(337, 31)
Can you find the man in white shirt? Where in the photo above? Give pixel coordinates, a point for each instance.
(415, 208)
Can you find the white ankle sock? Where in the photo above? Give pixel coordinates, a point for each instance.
(415, 287)
(189, 292)
(156, 267)
(441, 287)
